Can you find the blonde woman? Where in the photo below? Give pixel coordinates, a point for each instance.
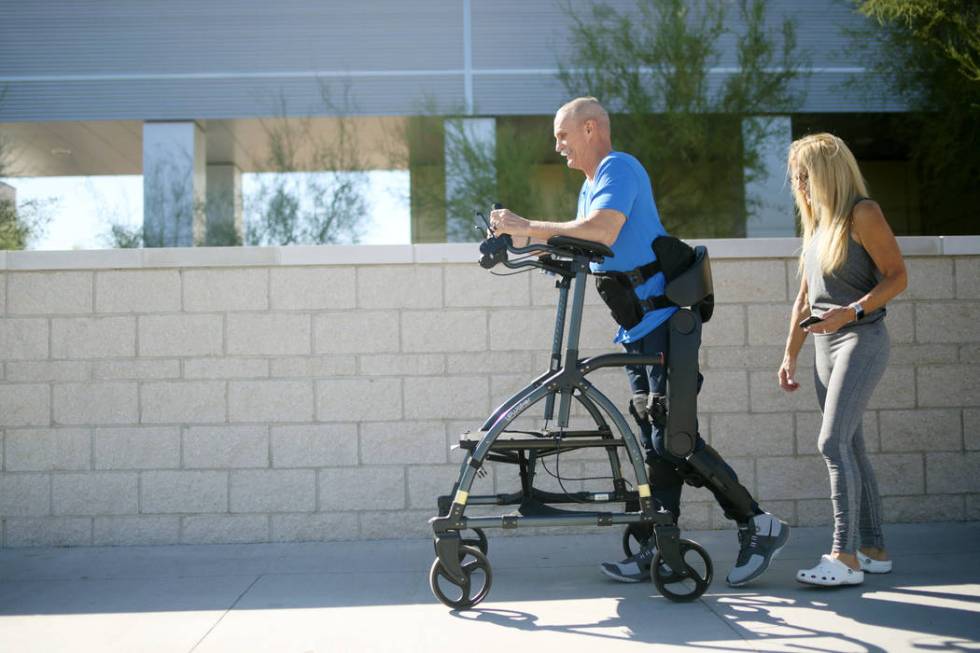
(851, 267)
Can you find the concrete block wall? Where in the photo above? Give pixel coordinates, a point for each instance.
(288, 394)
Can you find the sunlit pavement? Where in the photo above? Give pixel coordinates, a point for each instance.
(547, 595)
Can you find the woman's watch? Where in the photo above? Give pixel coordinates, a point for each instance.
(858, 310)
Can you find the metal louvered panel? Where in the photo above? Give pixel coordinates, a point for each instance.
(63, 60)
(157, 59)
(63, 37)
(825, 92)
(212, 99)
(536, 34)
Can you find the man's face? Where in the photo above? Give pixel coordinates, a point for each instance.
(571, 140)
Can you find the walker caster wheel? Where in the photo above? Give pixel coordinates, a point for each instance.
(480, 541)
(693, 583)
(474, 589)
(635, 537)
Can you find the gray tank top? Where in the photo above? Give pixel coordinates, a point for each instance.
(850, 283)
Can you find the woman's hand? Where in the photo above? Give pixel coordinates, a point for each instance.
(787, 375)
(833, 319)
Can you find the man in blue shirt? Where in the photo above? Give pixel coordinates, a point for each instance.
(616, 208)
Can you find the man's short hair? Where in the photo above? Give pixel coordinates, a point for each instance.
(586, 108)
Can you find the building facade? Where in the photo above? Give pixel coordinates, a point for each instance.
(184, 92)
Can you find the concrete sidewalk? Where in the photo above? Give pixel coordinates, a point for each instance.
(547, 595)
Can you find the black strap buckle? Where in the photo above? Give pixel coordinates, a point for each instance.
(635, 277)
(655, 302)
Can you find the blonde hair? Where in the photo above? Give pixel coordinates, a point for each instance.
(833, 185)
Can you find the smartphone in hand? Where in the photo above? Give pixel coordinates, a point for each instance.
(810, 321)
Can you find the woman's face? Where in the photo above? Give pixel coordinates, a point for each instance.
(801, 180)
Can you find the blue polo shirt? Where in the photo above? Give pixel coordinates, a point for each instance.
(622, 184)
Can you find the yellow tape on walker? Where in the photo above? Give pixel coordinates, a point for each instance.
(461, 497)
(644, 490)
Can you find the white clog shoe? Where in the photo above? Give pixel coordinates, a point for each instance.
(830, 572)
(873, 566)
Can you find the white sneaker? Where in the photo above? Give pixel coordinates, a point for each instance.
(873, 566)
(830, 572)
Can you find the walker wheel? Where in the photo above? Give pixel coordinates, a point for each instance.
(480, 541)
(635, 537)
(476, 586)
(689, 586)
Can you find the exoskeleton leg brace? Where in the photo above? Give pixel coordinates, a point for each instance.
(681, 434)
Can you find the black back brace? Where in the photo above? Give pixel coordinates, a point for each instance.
(618, 289)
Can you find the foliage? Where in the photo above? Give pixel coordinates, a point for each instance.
(290, 205)
(13, 234)
(309, 208)
(172, 214)
(221, 232)
(471, 175)
(507, 168)
(950, 29)
(927, 51)
(457, 169)
(653, 69)
(22, 224)
(121, 236)
(532, 178)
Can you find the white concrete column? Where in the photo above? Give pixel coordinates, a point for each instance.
(471, 175)
(174, 181)
(769, 202)
(224, 206)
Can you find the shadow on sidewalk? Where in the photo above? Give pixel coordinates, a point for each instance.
(541, 584)
(762, 622)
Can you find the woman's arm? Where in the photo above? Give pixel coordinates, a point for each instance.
(801, 310)
(794, 341)
(871, 230)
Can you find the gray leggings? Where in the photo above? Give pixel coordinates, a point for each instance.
(849, 365)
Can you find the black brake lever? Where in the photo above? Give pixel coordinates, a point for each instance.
(489, 231)
(493, 250)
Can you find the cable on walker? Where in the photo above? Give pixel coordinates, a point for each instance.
(461, 575)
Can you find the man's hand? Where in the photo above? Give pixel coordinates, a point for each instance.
(505, 221)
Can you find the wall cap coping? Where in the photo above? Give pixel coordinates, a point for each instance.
(327, 255)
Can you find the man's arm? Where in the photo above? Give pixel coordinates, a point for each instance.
(600, 226)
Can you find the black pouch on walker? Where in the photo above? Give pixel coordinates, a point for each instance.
(618, 289)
